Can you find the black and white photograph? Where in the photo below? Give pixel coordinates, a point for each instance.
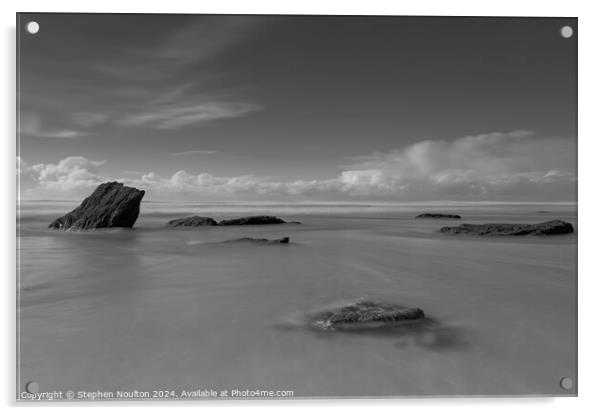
(283, 207)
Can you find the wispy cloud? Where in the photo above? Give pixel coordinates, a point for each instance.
(175, 116)
(31, 126)
(169, 79)
(190, 152)
(174, 102)
(206, 38)
(89, 118)
(203, 39)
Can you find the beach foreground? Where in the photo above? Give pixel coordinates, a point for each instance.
(155, 308)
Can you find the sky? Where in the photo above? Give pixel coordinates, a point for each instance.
(298, 108)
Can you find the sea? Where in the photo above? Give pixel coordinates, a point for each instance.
(171, 312)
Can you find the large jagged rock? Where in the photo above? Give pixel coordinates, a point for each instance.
(553, 227)
(192, 221)
(438, 216)
(365, 314)
(252, 220)
(111, 205)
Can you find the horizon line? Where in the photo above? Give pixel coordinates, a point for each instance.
(337, 202)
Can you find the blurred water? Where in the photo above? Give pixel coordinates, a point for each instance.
(156, 308)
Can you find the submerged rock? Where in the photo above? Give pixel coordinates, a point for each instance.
(206, 221)
(111, 205)
(553, 227)
(192, 221)
(252, 220)
(438, 216)
(284, 240)
(365, 314)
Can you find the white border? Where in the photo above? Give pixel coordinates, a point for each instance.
(590, 151)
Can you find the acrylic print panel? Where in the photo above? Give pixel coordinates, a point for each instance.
(295, 206)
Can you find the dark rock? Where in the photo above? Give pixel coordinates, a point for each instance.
(284, 240)
(365, 314)
(192, 221)
(438, 216)
(252, 220)
(553, 227)
(111, 205)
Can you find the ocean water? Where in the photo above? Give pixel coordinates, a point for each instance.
(177, 309)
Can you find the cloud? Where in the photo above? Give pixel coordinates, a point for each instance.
(206, 38)
(189, 152)
(89, 118)
(173, 84)
(487, 165)
(22, 166)
(169, 78)
(201, 41)
(30, 125)
(176, 116)
(203, 183)
(69, 174)
(498, 166)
